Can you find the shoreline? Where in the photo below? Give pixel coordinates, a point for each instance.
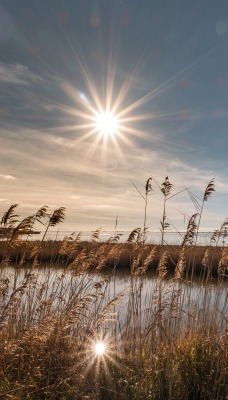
(104, 255)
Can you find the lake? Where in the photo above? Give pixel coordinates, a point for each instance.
(144, 295)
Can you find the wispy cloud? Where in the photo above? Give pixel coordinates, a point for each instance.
(94, 190)
(17, 74)
(7, 177)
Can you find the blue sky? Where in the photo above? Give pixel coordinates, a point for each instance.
(163, 65)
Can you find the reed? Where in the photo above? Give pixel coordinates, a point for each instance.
(166, 343)
(164, 348)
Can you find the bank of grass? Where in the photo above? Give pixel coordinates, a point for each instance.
(117, 256)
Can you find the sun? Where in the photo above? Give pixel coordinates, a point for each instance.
(99, 348)
(106, 123)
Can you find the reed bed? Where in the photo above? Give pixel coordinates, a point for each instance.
(119, 256)
(165, 344)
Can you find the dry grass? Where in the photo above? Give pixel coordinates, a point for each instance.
(168, 344)
(167, 347)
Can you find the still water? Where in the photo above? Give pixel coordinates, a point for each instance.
(138, 293)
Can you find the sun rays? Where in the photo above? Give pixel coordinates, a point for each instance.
(99, 355)
(103, 124)
(109, 114)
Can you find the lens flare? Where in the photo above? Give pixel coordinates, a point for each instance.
(99, 348)
(106, 123)
(100, 353)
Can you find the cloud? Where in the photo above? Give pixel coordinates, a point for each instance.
(17, 74)
(7, 177)
(94, 190)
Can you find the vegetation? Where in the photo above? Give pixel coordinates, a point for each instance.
(168, 344)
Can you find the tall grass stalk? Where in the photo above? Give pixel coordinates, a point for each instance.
(207, 193)
(148, 190)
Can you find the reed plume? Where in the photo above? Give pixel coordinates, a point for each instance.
(209, 190)
(55, 218)
(190, 235)
(95, 235)
(134, 236)
(9, 218)
(42, 213)
(25, 227)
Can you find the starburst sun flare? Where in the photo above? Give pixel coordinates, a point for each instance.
(107, 123)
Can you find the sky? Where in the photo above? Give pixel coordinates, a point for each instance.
(158, 69)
